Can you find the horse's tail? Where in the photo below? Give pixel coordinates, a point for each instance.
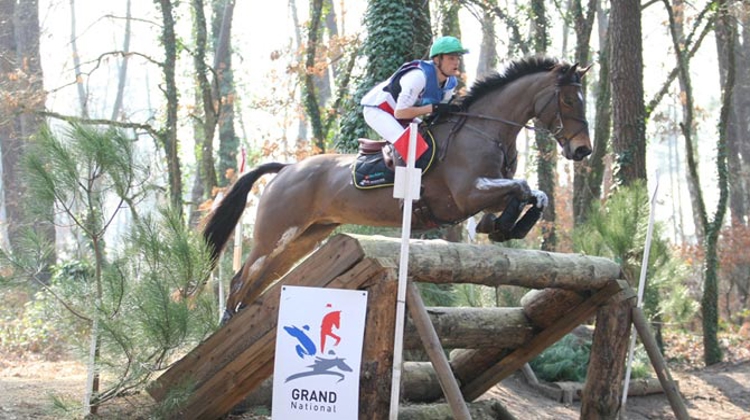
(222, 220)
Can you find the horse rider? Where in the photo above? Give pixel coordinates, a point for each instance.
(417, 88)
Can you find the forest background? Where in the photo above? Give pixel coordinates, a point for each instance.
(121, 122)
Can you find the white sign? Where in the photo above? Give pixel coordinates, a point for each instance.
(407, 178)
(318, 353)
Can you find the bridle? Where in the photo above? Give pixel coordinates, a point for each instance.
(557, 119)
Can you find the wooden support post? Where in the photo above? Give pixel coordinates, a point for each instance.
(603, 388)
(434, 350)
(657, 361)
(377, 353)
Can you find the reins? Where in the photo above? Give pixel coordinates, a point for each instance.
(558, 116)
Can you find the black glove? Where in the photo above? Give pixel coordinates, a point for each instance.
(446, 108)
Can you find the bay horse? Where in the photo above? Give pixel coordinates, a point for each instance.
(307, 200)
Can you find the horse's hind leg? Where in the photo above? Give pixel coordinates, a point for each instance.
(264, 265)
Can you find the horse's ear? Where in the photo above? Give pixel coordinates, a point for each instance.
(582, 72)
(571, 71)
(567, 75)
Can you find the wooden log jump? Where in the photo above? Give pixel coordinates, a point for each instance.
(238, 358)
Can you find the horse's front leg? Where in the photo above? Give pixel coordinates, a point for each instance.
(515, 197)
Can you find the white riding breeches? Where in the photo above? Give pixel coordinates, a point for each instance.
(383, 123)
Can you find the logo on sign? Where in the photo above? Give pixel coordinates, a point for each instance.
(321, 353)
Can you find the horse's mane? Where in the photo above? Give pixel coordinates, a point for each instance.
(512, 72)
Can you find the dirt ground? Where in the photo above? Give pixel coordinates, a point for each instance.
(722, 391)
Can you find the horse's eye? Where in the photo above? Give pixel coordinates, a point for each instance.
(571, 100)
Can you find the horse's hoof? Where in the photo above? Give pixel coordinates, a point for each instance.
(498, 236)
(524, 225)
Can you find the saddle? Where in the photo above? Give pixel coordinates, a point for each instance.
(376, 161)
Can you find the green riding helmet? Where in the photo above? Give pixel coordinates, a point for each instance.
(447, 45)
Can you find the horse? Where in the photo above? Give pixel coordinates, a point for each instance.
(303, 204)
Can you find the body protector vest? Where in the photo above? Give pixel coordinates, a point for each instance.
(433, 93)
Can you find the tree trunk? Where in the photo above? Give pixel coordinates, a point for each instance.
(494, 266)
(628, 110)
(738, 129)
(726, 27)
(229, 143)
(686, 92)
(475, 328)
(487, 61)
(168, 134)
(10, 142)
(122, 76)
(309, 91)
(82, 99)
(546, 160)
(587, 177)
(302, 123)
(20, 120)
(205, 180)
(323, 80)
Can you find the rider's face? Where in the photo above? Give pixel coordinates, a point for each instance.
(449, 64)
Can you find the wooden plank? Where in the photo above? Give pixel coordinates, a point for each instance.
(337, 256)
(229, 386)
(438, 261)
(431, 342)
(544, 339)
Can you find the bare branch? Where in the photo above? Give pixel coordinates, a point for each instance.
(100, 121)
(652, 104)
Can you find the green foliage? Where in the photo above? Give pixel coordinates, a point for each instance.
(23, 269)
(76, 168)
(136, 300)
(474, 295)
(618, 230)
(566, 360)
(438, 294)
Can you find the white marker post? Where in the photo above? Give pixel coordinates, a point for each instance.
(406, 186)
(641, 289)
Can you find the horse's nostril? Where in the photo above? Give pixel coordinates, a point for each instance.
(581, 152)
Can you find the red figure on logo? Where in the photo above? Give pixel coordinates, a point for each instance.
(330, 320)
